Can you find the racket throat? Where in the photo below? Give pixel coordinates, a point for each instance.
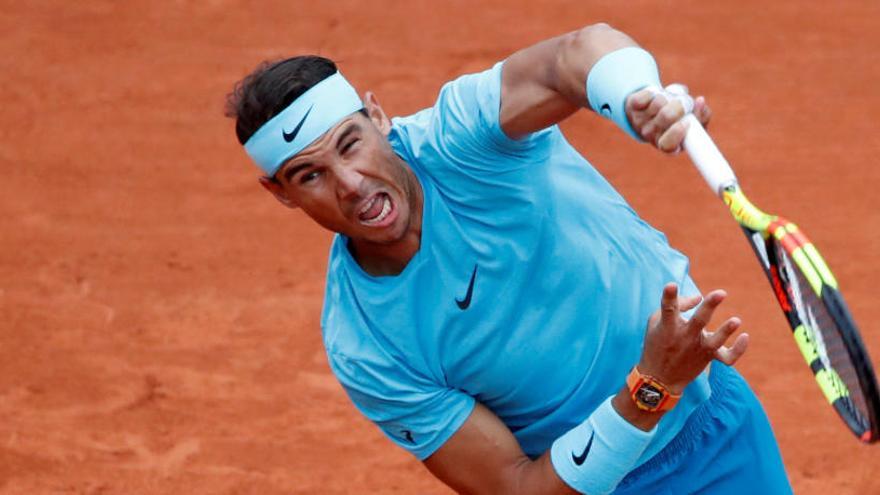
(744, 212)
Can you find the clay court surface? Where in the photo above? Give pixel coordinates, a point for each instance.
(159, 312)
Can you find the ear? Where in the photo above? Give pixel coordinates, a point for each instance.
(376, 114)
(277, 190)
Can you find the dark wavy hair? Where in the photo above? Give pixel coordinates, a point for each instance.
(271, 88)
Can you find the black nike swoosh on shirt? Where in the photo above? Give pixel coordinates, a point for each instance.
(579, 459)
(408, 435)
(290, 136)
(464, 303)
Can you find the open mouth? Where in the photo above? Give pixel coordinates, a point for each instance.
(376, 211)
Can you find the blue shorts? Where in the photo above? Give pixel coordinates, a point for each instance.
(726, 447)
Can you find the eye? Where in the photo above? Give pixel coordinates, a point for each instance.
(348, 145)
(309, 176)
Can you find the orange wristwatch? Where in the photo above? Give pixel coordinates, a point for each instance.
(648, 393)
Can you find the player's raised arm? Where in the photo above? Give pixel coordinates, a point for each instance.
(596, 67)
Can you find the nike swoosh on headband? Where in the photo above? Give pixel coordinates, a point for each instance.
(290, 136)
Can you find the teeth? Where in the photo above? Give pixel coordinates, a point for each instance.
(386, 209)
(368, 206)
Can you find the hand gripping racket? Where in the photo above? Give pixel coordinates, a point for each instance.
(806, 291)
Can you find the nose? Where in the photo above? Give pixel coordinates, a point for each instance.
(348, 181)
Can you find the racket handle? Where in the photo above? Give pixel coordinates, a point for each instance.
(706, 156)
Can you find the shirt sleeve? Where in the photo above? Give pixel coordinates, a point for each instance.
(466, 119)
(458, 144)
(412, 411)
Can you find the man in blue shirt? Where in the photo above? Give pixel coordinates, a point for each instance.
(488, 291)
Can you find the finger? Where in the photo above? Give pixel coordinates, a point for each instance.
(716, 339)
(669, 305)
(702, 111)
(671, 140)
(703, 315)
(665, 119)
(638, 119)
(636, 104)
(656, 105)
(671, 113)
(640, 100)
(730, 355)
(658, 101)
(687, 303)
(648, 117)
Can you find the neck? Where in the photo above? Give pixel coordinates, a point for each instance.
(388, 259)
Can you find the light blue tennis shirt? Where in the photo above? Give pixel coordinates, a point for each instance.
(530, 292)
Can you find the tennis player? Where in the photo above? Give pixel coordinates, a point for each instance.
(492, 304)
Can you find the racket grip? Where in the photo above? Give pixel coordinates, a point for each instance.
(706, 156)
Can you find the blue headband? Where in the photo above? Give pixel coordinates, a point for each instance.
(306, 119)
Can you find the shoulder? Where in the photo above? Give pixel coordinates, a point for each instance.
(464, 122)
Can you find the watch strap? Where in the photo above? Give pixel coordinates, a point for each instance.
(636, 381)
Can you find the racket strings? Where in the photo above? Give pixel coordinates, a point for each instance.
(831, 353)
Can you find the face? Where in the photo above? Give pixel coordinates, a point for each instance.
(350, 181)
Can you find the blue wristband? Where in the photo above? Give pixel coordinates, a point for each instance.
(594, 456)
(616, 76)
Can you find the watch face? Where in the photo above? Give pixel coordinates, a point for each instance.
(649, 395)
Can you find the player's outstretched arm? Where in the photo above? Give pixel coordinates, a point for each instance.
(483, 456)
(546, 82)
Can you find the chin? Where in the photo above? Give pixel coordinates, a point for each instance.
(387, 236)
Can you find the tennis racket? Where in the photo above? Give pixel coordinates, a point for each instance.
(806, 290)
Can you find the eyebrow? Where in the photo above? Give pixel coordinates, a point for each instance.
(350, 129)
(291, 171)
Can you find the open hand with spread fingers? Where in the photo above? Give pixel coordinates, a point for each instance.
(677, 350)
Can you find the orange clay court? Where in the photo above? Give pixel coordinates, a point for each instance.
(159, 312)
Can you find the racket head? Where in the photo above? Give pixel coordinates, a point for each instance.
(822, 325)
